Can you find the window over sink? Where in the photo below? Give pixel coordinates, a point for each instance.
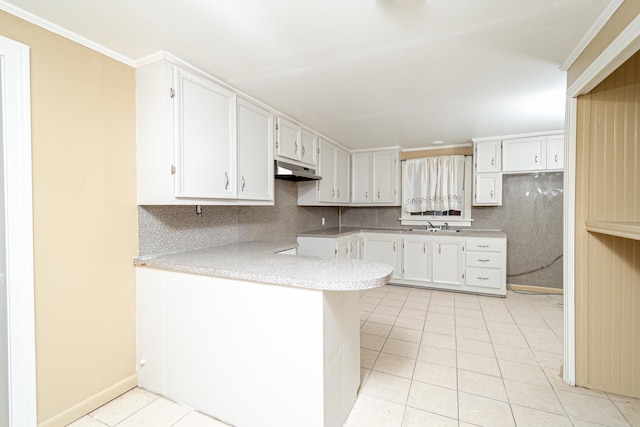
(437, 190)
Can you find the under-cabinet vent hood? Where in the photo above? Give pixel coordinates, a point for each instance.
(291, 172)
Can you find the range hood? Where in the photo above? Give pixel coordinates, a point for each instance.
(291, 172)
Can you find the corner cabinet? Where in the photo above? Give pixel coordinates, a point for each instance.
(333, 188)
(195, 141)
(375, 178)
(517, 154)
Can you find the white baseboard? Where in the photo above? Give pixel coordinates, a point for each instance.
(540, 289)
(91, 403)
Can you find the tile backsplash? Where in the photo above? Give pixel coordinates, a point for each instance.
(531, 215)
(177, 228)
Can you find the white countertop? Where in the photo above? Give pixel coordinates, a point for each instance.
(259, 262)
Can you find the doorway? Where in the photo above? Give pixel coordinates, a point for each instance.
(17, 325)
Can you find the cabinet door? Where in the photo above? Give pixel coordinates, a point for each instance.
(354, 247)
(255, 152)
(343, 170)
(383, 176)
(555, 152)
(342, 248)
(361, 182)
(384, 249)
(327, 170)
(447, 262)
(488, 189)
(205, 138)
(417, 260)
(487, 156)
(309, 148)
(523, 154)
(288, 143)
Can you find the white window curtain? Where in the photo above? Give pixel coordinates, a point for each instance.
(433, 184)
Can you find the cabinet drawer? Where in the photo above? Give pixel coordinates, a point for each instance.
(483, 259)
(486, 245)
(483, 277)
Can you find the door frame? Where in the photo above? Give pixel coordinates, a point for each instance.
(620, 49)
(16, 143)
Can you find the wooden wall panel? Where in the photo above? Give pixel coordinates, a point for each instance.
(608, 267)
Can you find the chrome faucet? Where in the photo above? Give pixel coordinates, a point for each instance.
(446, 225)
(429, 225)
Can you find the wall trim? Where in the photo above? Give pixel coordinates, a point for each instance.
(540, 289)
(50, 26)
(591, 33)
(91, 403)
(621, 49)
(16, 138)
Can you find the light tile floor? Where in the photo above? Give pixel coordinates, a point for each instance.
(432, 358)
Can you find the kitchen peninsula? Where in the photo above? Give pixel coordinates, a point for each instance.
(253, 337)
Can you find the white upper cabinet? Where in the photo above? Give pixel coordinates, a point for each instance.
(255, 143)
(487, 176)
(196, 143)
(309, 149)
(361, 174)
(295, 143)
(375, 177)
(555, 152)
(487, 156)
(205, 140)
(288, 139)
(333, 188)
(523, 154)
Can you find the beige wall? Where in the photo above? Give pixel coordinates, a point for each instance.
(608, 267)
(85, 222)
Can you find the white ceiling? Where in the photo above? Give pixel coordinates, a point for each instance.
(366, 73)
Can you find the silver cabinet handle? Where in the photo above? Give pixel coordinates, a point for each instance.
(482, 278)
(295, 147)
(493, 162)
(482, 246)
(483, 260)
(338, 193)
(491, 194)
(439, 249)
(333, 193)
(394, 246)
(556, 157)
(424, 248)
(243, 183)
(378, 195)
(366, 194)
(226, 181)
(536, 159)
(303, 150)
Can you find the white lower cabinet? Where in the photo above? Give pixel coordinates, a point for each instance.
(338, 247)
(416, 260)
(486, 265)
(452, 262)
(448, 261)
(384, 247)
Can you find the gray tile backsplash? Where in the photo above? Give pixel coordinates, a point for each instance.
(531, 215)
(177, 228)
